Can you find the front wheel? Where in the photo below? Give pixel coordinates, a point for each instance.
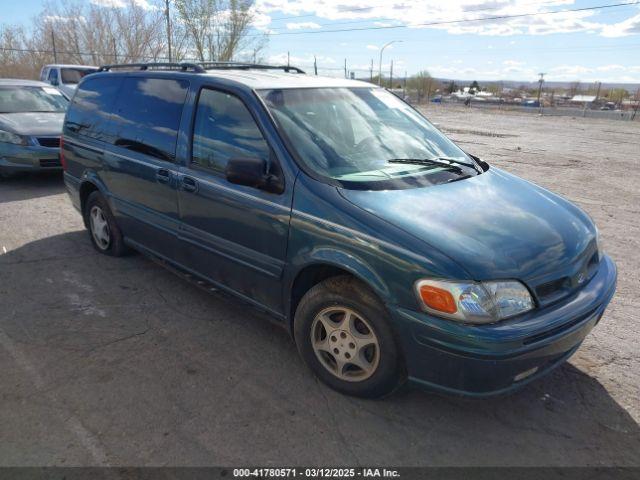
(343, 334)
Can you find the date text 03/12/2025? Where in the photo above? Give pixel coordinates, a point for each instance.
(315, 472)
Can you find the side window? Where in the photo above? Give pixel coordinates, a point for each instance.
(147, 116)
(92, 105)
(223, 129)
(53, 76)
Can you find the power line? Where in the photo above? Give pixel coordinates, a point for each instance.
(373, 19)
(466, 20)
(404, 5)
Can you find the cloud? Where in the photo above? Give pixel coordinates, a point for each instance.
(601, 73)
(123, 3)
(303, 26)
(261, 21)
(61, 19)
(630, 26)
(373, 47)
(432, 11)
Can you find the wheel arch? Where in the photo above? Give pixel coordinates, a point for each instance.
(324, 265)
(90, 183)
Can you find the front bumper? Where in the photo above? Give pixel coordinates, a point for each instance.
(20, 158)
(485, 360)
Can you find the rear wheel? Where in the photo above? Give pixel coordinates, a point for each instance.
(103, 229)
(343, 333)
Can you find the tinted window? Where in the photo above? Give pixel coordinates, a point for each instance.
(92, 105)
(53, 76)
(224, 128)
(147, 115)
(74, 75)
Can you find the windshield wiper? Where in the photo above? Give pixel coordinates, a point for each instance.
(427, 161)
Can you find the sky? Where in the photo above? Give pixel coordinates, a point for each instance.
(587, 45)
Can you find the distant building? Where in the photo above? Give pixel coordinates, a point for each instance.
(583, 99)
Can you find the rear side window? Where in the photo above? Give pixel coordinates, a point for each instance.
(91, 106)
(147, 116)
(53, 76)
(223, 129)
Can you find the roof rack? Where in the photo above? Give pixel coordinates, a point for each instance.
(247, 66)
(159, 66)
(200, 67)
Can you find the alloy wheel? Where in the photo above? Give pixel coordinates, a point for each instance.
(99, 228)
(345, 344)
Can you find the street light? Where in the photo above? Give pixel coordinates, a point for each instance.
(380, 65)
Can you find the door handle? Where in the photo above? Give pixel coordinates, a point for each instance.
(163, 175)
(189, 184)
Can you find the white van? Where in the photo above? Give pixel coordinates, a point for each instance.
(65, 77)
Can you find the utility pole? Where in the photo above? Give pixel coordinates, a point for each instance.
(53, 43)
(404, 88)
(380, 64)
(315, 65)
(115, 50)
(371, 72)
(345, 68)
(391, 75)
(166, 13)
(595, 101)
(540, 81)
(635, 110)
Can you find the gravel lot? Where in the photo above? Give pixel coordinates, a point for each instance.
(119, 362)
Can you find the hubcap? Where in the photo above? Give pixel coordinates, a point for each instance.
(345, 344)
(99, 228)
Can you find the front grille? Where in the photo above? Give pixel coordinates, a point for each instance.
(51, 142)
(551, 288)
(50, 162)
(557, 288)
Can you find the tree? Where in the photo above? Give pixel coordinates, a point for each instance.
(127, 31)
(474, 87)
(496, 88)
(617, 95)
(218, 29)
(423, 84)
(452, 87)
(574, 88)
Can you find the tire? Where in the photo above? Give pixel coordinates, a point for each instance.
(360, 333)
(104, 232)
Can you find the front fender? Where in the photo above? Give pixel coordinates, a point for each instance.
(333, 257)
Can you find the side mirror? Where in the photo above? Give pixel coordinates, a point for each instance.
(253, 172)
(54, 82)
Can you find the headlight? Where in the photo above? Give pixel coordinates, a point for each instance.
(8, 137)
(474, 302)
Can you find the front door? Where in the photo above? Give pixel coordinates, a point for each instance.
(234, 235)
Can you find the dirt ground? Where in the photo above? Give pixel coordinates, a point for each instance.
(119, 362)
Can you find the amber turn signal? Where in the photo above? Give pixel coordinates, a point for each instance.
(438, 299)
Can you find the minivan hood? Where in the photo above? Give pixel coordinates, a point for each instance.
(495, 225)
(32, 123)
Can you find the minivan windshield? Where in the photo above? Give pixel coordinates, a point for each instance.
(365, 138)
(72, 76)
(22, 99)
